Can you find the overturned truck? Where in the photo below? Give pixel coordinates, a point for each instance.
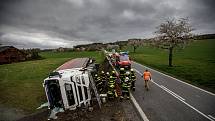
(69, 86)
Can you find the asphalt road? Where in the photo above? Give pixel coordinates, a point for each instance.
(170, 99)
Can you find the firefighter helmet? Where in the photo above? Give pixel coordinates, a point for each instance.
(127, 73)
(122, 69)
(132, 70)
(126, 79)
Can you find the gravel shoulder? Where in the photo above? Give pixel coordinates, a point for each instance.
(113, 110)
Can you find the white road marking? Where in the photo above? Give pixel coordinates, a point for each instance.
(139, 109)
(171, 92)
(211, 117)
(177, 97)
(138, 71)
(177, 79)
(164, 88)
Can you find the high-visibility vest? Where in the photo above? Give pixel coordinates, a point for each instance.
(132, 76)
(147, 75)
(111, 83)
(110, 92)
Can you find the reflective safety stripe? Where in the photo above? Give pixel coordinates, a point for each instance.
(109, 92)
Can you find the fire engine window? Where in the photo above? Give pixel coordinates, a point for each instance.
(70, 95)
(80, 93)
(83, 81)
(85, 92)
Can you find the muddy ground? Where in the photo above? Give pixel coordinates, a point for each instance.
(114, 110)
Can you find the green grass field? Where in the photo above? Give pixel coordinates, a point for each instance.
(21, 83)
(194, 64)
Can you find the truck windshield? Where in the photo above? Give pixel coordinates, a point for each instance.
(53, 93)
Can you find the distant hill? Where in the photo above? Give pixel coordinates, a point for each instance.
(100, 46)
(204, 36)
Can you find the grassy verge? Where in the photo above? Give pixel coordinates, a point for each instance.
(21, 83)
(195, 64)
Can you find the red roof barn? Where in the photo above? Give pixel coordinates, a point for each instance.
(9, 54)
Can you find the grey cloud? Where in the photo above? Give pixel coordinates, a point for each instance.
(100, 20)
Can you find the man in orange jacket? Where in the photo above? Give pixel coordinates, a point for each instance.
(147, 76)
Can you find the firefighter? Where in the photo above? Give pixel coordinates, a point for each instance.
(115, 76)
(147, 76)
(105, 84)
(111, 87)
(95, 77)
(104, 81)
(122, 74)
(103, 76)
(107, 76)
(126, 88)
(99, 84)
(117, 83)
(133, 79)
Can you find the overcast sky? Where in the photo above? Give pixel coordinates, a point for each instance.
(65, 23)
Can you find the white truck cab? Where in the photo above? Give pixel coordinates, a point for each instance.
(68, 88)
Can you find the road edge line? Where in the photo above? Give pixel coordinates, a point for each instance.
(211, 117)
(176, 79)
(138, 108)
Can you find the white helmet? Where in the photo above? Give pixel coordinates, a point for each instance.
(126, 79)
(122, 69)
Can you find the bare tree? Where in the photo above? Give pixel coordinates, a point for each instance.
(173, 33)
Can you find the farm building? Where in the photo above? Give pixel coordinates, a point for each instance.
(9, 54)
